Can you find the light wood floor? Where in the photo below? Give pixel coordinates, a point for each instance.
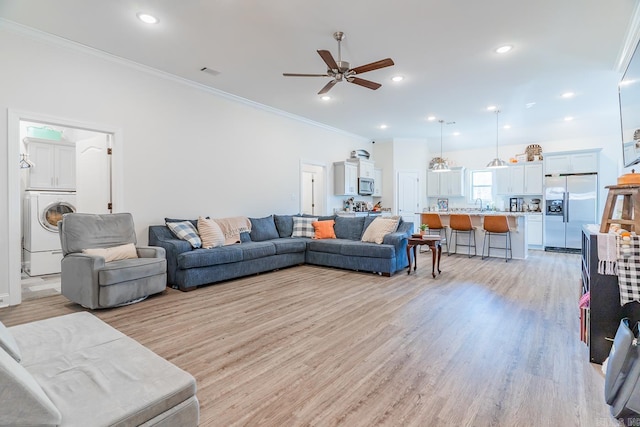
(487, 343)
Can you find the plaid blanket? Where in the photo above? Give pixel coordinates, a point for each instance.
(629, 271)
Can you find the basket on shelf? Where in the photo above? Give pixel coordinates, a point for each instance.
(533, 150)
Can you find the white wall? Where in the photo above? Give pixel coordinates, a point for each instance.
(187, 151)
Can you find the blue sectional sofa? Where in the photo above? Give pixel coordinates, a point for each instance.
(269, 246)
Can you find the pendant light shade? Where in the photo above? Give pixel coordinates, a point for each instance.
(497, 162)
(440, 164)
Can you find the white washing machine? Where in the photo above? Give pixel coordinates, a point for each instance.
(41, 212)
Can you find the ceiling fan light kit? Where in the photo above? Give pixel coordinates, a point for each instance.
(340, 70)
(497, 162)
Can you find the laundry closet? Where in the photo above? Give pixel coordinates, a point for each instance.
(63, 170)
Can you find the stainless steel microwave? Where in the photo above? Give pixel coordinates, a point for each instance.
(365, 186)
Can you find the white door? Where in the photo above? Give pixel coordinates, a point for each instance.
(408, 195)
(312, 190)
(93, 188)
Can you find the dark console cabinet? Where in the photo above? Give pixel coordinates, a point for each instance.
(605, 311)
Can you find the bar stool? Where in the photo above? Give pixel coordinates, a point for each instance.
(434, 222)
(497, 224)
(461, 223)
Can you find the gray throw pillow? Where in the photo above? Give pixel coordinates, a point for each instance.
(263, 229)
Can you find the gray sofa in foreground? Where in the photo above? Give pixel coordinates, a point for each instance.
(75, 370)
(270, 246)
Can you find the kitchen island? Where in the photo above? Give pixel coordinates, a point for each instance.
(517, 224)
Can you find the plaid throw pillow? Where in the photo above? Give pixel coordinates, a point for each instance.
(186, 231)
(303, 227)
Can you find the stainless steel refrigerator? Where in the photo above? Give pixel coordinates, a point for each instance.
(571, 202)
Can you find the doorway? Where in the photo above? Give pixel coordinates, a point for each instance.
(408, 195)
(97, 178)
(312, 189)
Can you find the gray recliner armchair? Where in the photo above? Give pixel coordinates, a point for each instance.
(94, 282)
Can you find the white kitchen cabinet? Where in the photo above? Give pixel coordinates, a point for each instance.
(534, 229)
(377, 183)
(533, 179)
(510, 180)
(366, 168)
(571, 162)
(345, 179)
(54, 165)
(450, 184)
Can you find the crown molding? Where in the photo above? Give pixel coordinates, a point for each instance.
(630, 42)
(78, 47)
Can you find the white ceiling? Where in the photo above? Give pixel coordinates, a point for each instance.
(444, 49)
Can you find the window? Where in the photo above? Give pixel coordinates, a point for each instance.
(481, 186)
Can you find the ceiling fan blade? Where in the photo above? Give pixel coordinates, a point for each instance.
(366, 83)
(304, 75)
(373, 66)
(327, 87)
(328, 59)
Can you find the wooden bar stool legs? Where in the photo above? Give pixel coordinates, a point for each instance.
(630, 218)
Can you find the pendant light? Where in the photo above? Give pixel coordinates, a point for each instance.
(497, 162)
(440, 165)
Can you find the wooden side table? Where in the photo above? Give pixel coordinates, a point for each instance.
(434, 243)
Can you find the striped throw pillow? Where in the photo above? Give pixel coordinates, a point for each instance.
(210, 233)
(186, 231)
(303, 227)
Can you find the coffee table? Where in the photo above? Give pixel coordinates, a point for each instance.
(434, 243)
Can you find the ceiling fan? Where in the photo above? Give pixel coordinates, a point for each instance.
(340, 70)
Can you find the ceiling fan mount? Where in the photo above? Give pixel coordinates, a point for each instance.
(341, 70)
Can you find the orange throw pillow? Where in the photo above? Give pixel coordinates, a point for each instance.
(324, 229)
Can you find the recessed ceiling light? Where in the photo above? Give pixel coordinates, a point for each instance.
(397, 78)
(568, 95)
(626, 82)
(504, 49)
(431, 118)
(383, 126)
(146, 18)
(326, 98)
(491, 108)
(568, 119)
(506, 127)
(456, 133)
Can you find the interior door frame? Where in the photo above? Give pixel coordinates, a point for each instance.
(323, 166)
(14, 207)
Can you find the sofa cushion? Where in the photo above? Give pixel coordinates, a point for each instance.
(101, 376)
(324, 229)
(332, 246)
(185, 230)
(207, 257)
(255, 250)
(289, 245)
(379, 228)
(130, 269)
(371, 250)
(302, 227)
(263, 229)
(349, 227)
(23, 400)
(284, 224)
(8, 343)
(210, 233)
(192, 221)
